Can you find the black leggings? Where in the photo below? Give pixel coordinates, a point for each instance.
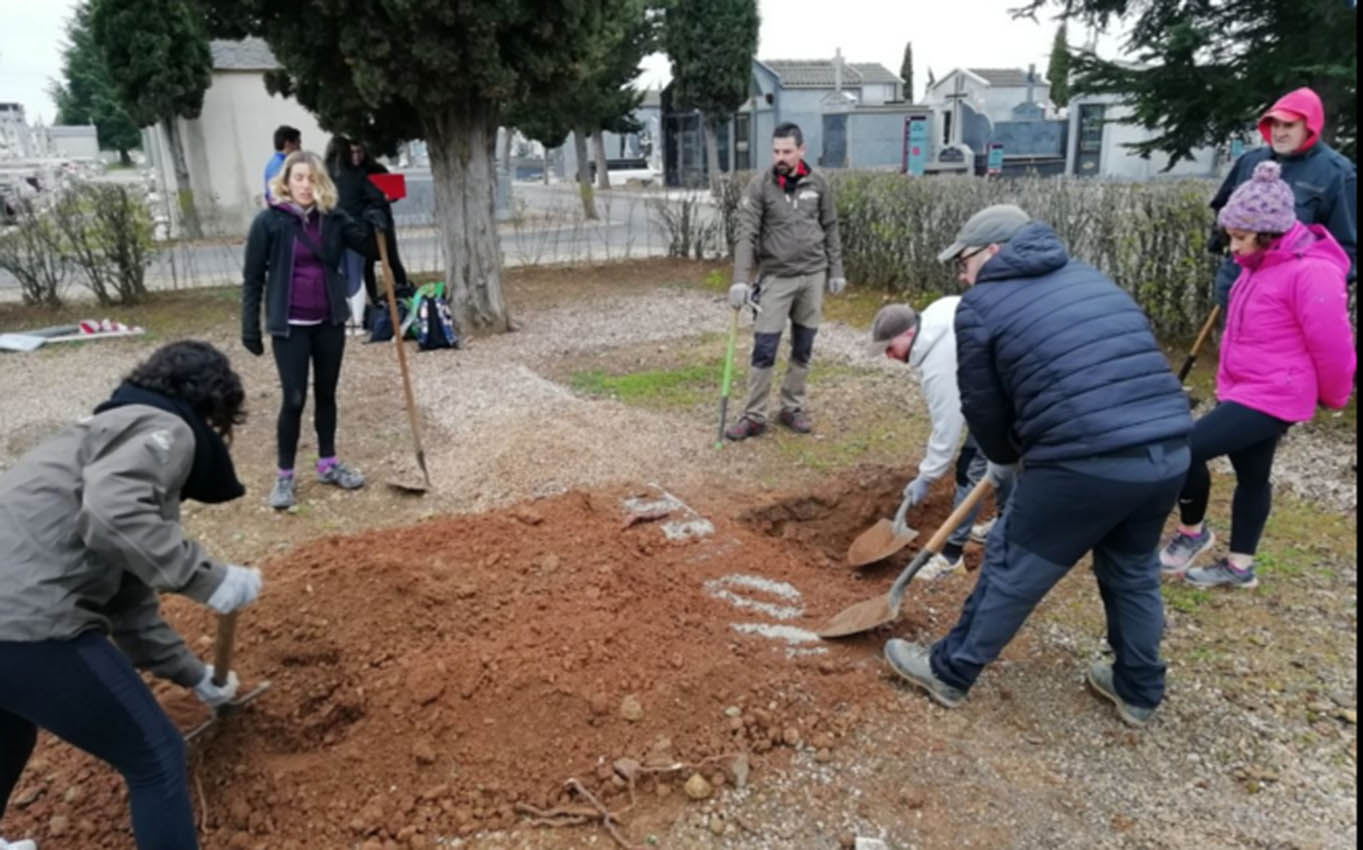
(85, 692)
(1249, 438)
(322, 346)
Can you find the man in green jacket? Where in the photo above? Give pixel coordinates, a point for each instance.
(788, 229)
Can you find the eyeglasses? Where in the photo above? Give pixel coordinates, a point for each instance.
(963, 258)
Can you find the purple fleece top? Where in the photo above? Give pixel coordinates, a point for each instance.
(308, 286)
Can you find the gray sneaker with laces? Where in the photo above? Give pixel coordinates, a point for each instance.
(911, 662)
(285, 493)
(342, 476)
(1100, 679)
(1182, 549)
(1221, 573)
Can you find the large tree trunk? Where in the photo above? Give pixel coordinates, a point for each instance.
(712, 156)
(584, 173)
(124, 159)
(462, 143)
(603, 179)
(546, 163)
(189, 216)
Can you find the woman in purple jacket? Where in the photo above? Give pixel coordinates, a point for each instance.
(293, 263)
(1288, 347)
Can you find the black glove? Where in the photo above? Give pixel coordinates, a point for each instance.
(375, 218)
(253, 345)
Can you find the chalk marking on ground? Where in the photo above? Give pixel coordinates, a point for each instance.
(694, 525)
(789, 634)
(778, 612)
(776, 588)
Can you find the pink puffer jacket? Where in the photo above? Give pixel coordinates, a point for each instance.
(1288, 343)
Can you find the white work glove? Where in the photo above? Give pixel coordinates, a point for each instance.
(739, 295)
(836, 285)
(914, 493)
(214, 695)
(916, 490)
(240, 588)
(997, 473)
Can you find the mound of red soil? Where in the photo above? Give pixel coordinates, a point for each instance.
(449, 677)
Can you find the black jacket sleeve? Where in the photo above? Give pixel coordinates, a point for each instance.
(1216, 242)
(253, 275)
(358, 233)
(985, 403)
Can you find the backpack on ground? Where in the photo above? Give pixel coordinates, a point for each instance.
(380, 321)
(432, 322)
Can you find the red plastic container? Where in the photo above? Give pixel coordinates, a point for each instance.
(393, 186)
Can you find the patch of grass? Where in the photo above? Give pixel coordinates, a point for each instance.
(1289, 563)
(680, 387)
(1183, 598)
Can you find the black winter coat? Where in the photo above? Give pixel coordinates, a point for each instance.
(1056, 362)
(268, 270)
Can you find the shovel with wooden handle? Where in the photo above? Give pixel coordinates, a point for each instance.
(869, 613)
(410, 402)
(1197, 346)
(222, 666)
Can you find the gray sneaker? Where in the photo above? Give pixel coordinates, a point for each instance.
(910, 661)
(285, 493)
(1100, 679)
(1182, 549)
(342, 476)
(1221, 573)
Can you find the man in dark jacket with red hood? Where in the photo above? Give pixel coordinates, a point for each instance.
(1323, 180)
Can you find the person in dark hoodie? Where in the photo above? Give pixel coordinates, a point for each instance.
(1058, 370)
(294, 254)
(1324, 182)
(360, 158)
(354, 194)
(89, 535)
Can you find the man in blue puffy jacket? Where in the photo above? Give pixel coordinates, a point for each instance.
(1058, 369)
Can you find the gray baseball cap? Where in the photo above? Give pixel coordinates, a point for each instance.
(891, 321)
(989, 226)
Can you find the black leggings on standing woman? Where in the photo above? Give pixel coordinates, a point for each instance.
(1250, 439)
(322, 346)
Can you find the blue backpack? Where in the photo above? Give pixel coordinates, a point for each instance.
(432, 322)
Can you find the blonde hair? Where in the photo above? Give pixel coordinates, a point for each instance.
(324, 191)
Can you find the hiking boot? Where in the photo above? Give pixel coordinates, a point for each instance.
(285, 493)
(939, 566)
(342, 476)
(979, 532)
(745, 428)
(796, 421)
(911, 662)
(1221, 573)
(1100, 679)
(1182, 549)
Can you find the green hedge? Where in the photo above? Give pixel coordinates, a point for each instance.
(1151, 238)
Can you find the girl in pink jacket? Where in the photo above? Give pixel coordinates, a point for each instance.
(1287, 346)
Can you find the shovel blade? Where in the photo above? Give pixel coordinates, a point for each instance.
(861, 617)
(877, 543)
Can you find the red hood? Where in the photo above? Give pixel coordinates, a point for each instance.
(1303, 102)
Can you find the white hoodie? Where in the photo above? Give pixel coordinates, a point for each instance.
(934, 355)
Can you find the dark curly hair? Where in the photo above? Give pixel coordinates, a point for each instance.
(199, 374)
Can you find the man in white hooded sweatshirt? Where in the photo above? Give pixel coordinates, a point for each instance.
(927, 342)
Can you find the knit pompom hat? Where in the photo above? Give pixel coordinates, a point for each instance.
(1264, 204)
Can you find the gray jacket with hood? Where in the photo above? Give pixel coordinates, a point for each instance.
(90, 532)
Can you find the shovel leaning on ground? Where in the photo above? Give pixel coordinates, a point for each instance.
(1197, 346)
(403, 483)
(222, 665)
(728, 379)
(869, 613)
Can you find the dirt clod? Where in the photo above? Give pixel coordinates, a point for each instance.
(631, 709)
(697, 787)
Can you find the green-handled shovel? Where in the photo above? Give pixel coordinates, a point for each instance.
(728, 380)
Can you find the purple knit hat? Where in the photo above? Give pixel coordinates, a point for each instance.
(1264, 204)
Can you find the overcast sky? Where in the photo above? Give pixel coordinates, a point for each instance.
(945, 35)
